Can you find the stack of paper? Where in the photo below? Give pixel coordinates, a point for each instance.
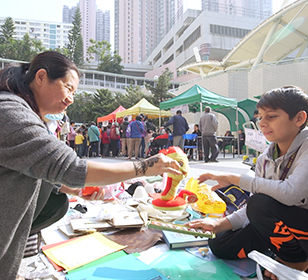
(81, 250)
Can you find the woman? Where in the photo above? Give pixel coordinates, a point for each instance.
(136, 130)
(29, 155)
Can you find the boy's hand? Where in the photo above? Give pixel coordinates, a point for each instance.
(222, 180)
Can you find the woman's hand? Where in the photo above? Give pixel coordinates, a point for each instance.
(156, 165)
(222, 180)
(97, 195)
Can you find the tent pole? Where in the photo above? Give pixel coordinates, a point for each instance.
(238, 139)
(159, 120)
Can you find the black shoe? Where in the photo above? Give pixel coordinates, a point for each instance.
(214, 160)
(206, 160)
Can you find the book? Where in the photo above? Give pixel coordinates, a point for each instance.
(176, 240)
(180, 229)
(88, 224)
(127, 219)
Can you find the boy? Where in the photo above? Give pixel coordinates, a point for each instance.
(276, 216)
(79, 143)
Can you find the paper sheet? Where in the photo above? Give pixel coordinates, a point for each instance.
(177, 264)
(82, 250)
(126, 267)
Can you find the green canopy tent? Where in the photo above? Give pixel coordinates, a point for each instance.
(248, 105)
(199, 97)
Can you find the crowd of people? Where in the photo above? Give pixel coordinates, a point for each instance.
(127, 139)
(134, 138)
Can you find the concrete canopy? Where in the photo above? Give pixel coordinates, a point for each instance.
(282, 34)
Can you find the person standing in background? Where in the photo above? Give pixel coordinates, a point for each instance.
(208, 126)
(65, 126)
(134, 130)
(255, 118)
(93, 134)
(241, 138)
(71, 135)
(106, 141)
(180, 126)
(79, 143)
(150, 130)
(124, 139)
(142, 142)
(114, 137)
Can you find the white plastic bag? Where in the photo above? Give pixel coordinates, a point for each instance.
(282, 271)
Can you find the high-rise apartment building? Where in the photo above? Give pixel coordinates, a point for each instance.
(246, 8)
(95, 23)
(52, 34)
(88, 21)
(140, 25)
(102, 26)
(68, 14)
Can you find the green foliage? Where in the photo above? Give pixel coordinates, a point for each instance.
(11, 48)
(75, 45)
(7, 31)
(160, 90)
(7, 42)
(104, 104)
(80, 110)
(108, 61)
(88, 107)
(131, 97)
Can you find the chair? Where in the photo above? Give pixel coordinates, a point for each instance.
(193, 138)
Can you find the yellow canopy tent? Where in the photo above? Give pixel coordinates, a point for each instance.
(146, 108)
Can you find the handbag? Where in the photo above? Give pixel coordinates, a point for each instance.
(65, 128)
(234, 197)
(128, 131)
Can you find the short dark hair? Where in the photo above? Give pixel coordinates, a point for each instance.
(179, 112)
(139, 118)
(125, 118)
(290, 99)
(256, 112)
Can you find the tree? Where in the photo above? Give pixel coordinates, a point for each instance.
(75, 45)
(7, 46)
(160, 90)
(88, 107)
(24, 50)
(108, 61)
(7, 31)
(104, 104)
(132, 95)
(80, 110)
